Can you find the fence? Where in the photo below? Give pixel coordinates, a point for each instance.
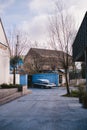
(20, 79)
(52, 77)
(23, 79)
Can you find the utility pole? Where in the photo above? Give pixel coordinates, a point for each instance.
(17, 44)
(16, 61)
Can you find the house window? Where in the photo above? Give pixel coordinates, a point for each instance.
(60, 79)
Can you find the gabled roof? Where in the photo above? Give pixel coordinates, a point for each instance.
(45, 59)
(3, 37)
(45, 52)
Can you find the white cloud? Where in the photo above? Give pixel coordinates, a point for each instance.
(5, 4)
(78, 10)
(37, 25)
(42, 6)
(37, 28)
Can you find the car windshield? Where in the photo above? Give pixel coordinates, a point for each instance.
(43, 81)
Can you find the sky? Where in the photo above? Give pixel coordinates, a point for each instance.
(32, 16)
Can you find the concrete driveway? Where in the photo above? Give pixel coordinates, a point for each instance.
(44, 109)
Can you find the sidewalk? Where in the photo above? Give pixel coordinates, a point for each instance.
(44, 109)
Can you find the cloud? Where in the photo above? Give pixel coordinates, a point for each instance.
(5, 4)
(78, 10)
(35, 20)
(37, 28)
(42, 6)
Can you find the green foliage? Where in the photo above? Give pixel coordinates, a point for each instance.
(14, 61)
(74, 93)
(81, 93)
(9, 86)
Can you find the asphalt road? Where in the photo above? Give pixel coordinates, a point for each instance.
(44, 109)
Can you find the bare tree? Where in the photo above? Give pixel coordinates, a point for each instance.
(62, 32)
(34, 65)
(18, 46)
(19, 42)
(32, 62)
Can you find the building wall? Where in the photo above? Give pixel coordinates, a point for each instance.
(77, 81)
(4, 56)
(63, 80)
(20, 79)
(2, 35)
(17, 79)
(4, 66)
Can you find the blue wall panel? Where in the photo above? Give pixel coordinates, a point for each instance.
(23, 79)
(52, 77)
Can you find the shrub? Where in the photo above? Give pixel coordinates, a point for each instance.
(10, 86)
(74, 93)
(4, 85)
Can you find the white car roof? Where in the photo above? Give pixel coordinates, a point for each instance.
(44, 80)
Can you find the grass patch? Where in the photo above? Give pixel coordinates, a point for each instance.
(74, 93)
